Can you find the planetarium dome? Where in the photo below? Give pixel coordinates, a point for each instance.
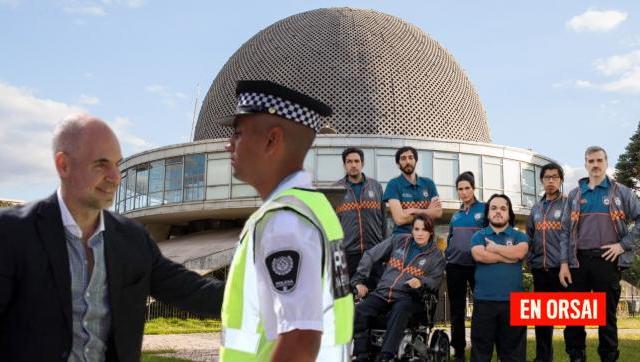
(380, 74)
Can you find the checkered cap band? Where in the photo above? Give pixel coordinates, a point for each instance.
(282, 107)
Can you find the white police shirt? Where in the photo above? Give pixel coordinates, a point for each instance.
(288, 266)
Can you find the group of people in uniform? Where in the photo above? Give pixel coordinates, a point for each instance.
(575, 243)
(579, 242)
(299, 260)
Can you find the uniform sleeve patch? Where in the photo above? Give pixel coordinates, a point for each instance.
(283, 269)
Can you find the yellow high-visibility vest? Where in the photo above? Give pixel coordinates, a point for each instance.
(243, 335)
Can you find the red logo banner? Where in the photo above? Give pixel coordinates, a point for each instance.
(557, 309)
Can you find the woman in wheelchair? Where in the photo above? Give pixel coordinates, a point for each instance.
(413, 263)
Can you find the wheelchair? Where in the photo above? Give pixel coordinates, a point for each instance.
(421, 341)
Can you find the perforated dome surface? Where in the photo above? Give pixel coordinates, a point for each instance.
(380, 74)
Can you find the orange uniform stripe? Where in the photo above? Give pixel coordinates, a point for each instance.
(350, 206)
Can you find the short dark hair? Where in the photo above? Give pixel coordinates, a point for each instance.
(404, 149)
(550, 167)
(467, 176)
(594, 149)
(428, 224)
(351, 150)
(512, 215)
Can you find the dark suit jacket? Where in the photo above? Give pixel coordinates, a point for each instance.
(35, 286)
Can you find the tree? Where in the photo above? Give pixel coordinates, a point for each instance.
(628, 166)
(632, 275)
(628, 173)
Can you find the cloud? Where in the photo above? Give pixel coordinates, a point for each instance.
(88, 100)
(168, 97)
(155, 88)
(622, 71)
(596, 20)
(11, 3)
(25, 135)
(583, 84)
(618, 64)
(121, 127)
(26, 130)
(94, 7)
(134, 3)
(561, 84)
(625, 68)
(630, 83)
(80, 9)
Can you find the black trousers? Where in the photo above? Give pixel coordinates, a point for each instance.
(373, 306)
(458, 278)
(598, 275)
(545, 281)
(490, 326)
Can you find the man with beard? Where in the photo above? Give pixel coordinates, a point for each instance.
(361, 210)
(544, 229)
(409, 194)
(598, 243)
(498, 250)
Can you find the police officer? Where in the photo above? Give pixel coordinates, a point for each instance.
(498, 250)
(597, 243)
(283, 300)
(460, 264)
(361, 210)
(544, 229)
(409, 194)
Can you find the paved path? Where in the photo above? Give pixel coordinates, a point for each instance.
(195, 347)
(203, 347)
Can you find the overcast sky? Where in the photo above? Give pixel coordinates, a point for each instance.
(554, 76)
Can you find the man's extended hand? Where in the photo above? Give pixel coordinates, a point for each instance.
(613, 251)
(414, 283)
(565, 275)
(362, 290)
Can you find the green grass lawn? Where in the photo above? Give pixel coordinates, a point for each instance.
(181, 326)
(153, 357)
(184, 326)
(623, 323)
(629, 346)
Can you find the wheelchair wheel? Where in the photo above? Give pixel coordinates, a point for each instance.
(439, 347)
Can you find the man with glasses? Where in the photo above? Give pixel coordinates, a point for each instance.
(544, 229)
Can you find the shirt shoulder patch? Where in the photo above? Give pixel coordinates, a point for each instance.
(283, 267)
